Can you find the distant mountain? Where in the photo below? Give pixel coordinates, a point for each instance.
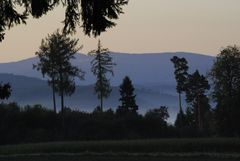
(143, 69)
(152, 75)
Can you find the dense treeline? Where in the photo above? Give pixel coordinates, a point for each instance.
(38, 124)
(222, 85)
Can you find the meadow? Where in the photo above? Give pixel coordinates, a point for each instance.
(219, 149)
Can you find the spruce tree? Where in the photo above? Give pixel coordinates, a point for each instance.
(128, 102)
(102, 64)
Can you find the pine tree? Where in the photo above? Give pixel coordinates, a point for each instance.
(181, 68)
(102, 64)
(128, 102)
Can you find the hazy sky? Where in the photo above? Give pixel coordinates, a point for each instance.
(202, 26)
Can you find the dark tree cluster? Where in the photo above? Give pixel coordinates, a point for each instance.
(200, 118)
(195, 86)
(225, 76)
(38, 124)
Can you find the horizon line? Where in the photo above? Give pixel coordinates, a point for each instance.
(126, 53)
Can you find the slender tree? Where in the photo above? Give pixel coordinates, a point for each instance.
(55, 54)
(128, 102)
(181, 68)
(102, 64)
(96, 15)
(196, 87)
(225, 75)
(47, 63)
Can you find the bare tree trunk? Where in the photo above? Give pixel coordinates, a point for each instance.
(61, 92)
(101, 102)
(62, 100)
(54, 98)
(180, 110)
(200, 125)
(180, 102)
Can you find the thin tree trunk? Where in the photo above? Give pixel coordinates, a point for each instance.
(54, 98)
(61, 92)
(180, 110)
(62, 100)
(180, 102)
(200, 126)
(62, 104)
(101, 102)
(101, 82)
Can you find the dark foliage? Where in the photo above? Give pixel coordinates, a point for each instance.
(96, 15)
(198, 102)
(128, 102)
(38, 124)
(225, 75)
(5, 91)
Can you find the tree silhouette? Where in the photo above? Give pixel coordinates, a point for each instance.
(55, 54)
(101, 65)
(5, 91)
(195, 95)
(181, 68)
(158, 114)
(225, 75)
(96, 15)
(128, 102)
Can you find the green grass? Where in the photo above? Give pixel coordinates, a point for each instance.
(139, 150)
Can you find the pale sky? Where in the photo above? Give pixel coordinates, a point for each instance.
(201, 26)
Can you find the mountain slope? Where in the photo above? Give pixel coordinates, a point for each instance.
(143, 69)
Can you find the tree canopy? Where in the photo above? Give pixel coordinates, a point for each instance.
(225, 75)
(55, 54)
(96, 15)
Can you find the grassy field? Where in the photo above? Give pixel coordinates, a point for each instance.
(219, 149)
